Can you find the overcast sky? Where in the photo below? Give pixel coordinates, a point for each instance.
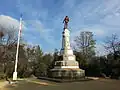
(43, 19)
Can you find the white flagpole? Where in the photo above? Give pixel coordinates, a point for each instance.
(18, 42)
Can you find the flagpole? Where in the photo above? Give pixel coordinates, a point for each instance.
(18, 42)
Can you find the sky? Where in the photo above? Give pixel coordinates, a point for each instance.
(42, 20)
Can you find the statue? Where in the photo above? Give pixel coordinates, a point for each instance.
(1, 34)
(65, 21)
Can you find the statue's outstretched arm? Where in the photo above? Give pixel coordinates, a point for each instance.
(63, 20)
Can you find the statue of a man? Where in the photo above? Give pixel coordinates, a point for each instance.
(65, 21)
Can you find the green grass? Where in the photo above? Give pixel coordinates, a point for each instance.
(2, 80)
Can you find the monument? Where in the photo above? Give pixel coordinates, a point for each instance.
(67, 66)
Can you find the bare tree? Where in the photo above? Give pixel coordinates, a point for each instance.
(85, 43)
(112, 45)
(7, 43)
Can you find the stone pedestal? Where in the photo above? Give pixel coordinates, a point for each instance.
(15, 76)
(67, 67)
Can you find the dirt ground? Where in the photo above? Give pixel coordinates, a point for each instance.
(2, 84)
(101, 84)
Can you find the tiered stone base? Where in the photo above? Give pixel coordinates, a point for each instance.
(67, 73)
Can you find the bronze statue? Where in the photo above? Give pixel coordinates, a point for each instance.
(65, 21)
(1, 34)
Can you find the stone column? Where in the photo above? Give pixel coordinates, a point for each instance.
(66, 49)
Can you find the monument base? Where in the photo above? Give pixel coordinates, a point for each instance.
(14, 75)
(67, 73)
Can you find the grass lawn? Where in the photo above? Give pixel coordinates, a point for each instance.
(2, 83)
(102, 84)
(2, 80)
